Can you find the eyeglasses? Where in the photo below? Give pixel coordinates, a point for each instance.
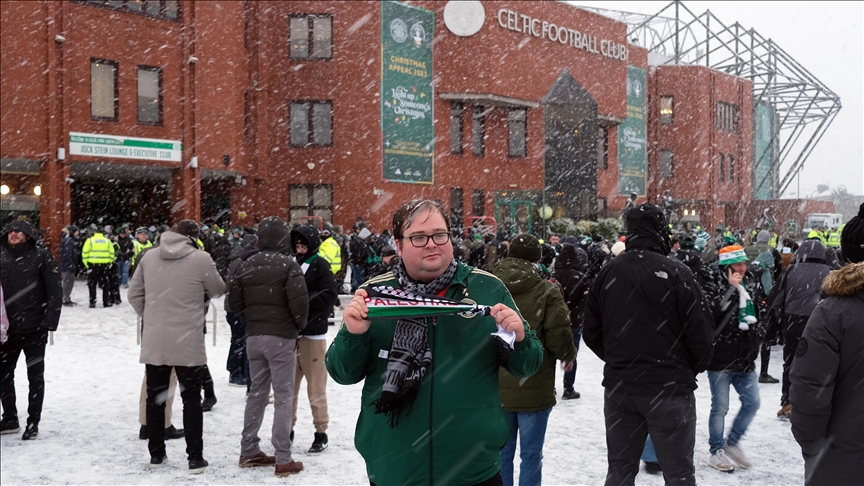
(419, 241)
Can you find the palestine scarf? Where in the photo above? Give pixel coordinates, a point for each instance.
(410, 355)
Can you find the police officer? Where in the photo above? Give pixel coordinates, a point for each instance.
(98, 255)
(141, 243)
(330, 251)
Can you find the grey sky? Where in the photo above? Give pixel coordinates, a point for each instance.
(828, 40)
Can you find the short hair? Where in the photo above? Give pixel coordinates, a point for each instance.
(404, 215)
(187, 227)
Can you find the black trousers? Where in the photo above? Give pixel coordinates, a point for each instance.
(671, 421)
(189, 379)
(793, 329)
(98, 278)
(771, 338)
(33, 346)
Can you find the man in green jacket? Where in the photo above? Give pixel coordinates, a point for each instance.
(528, 402)
(431, 410)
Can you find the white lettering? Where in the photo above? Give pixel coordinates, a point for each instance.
(526, 24)
(513, 21)
(545, 29)
(533, 28)
(501, 22)
(553, 38)
(603, 49)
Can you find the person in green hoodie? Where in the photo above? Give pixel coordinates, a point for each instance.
(430, 408)
(528, 402)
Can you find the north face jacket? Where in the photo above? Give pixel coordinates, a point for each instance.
(457, 412)
(826, 383)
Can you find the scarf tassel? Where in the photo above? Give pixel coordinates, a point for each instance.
(391, 404)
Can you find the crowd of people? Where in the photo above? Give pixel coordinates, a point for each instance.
(436, 389)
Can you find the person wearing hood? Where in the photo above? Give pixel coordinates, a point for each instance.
(359, 255)
(796, 297)
(33, 299)
(653, 348)
(569, 265)
(173, 333)
(761, 246)
(269, 292)
(238, 361)
(70, 255)
(826, 377)
(98, 255)
(496, 250)
(529, 401)
(312, 343)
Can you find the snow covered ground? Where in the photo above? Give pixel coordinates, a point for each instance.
(89, 428)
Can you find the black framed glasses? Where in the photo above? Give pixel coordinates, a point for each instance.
(419, 241)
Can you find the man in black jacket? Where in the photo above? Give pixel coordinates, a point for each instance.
(269, 292)
(574, 284)
(312, 344)
(33, 296)
(646, 318)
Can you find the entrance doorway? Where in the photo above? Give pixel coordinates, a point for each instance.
(514, 217)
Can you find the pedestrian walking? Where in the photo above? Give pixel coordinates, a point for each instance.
(98, 255)
(70, 255)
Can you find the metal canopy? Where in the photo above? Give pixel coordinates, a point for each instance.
(803, 106)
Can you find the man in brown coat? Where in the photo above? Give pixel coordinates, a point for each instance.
(170, 290)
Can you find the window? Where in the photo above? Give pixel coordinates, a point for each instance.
(517, 119)
(149, 95)
(731, 168)
(478, 131)
(666, 106)
(602, 147)
(161, 9)
(311, 123)
(311, 200)
(103, 90)
(601, 203)
(478, 202)
(667, 169)
(456, 127)
(311, 37)
(722, 167)
(456, 203)
(727, 117)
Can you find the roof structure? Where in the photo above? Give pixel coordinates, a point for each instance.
(802, 107)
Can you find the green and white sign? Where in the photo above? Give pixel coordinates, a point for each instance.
(117, 147)
(632, 157)
(406, 93)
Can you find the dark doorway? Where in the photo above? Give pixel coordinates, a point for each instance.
(570, 123)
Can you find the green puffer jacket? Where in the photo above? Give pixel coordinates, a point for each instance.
(542, 305)
(453, 432)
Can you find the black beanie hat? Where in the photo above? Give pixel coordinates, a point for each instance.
(526, 247)
(852, 239)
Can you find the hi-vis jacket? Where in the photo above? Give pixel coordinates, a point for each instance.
(331, 252)
(97, 250)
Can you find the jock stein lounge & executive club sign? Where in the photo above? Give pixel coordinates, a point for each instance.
(117, 147)
(543, 29)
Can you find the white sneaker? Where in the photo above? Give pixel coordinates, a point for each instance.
(720, 462)
(736, 454)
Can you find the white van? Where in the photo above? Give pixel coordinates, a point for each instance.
(824, 220)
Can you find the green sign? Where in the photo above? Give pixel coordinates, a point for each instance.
(406, 92)
(632, 159)
(762, 152)
(117, 147)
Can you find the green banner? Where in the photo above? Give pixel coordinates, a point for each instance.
(632, 159)
(762, 152)
(406, 92)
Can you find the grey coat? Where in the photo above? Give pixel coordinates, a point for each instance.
(827, 383)
(170, 291)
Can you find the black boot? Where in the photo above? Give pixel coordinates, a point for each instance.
(320, 443)
(653, 468)
(31, 432)
(174, 433)
(207, 404)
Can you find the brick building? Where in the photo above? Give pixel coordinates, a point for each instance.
(157, 110)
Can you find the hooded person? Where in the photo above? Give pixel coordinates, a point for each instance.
(653, 348)
(529, 401)
(496, 250)
(312, 343)
(33, 299)
(238, 362)
(738, 334)
(825, 392)
(796, 296)
(569, 273)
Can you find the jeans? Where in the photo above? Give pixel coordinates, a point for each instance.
(33, 346)
(649, 454)
(531, 427)
(570, 376)
(123, 272)
(190, 378)
(238, 361)
(747, 386)
(358, 276)
(671, 421)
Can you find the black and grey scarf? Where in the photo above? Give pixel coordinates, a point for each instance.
(410, 355)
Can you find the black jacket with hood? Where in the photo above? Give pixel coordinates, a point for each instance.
(320, 282)
(248, 246)
(646, 317)
(32, 291)
(268, 290)
(799, 288)
(574, 282)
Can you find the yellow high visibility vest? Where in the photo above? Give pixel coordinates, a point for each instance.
(138, 248)
(97, 250)
(834, 239)
(332, 254)
(773, 241)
